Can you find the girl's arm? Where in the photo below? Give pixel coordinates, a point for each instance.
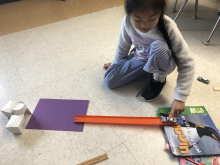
(181, 49)
(124, 43)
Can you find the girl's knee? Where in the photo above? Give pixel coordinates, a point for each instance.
(108, 80)
(160, 58)
(158, 45)
(159, 49)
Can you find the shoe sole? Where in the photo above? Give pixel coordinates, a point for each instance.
(150, 100)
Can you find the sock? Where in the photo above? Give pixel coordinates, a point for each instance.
(160, 77)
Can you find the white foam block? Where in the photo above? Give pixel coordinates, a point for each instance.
(16, 124)
(7, 109)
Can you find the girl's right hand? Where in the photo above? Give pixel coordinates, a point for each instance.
(106, 66)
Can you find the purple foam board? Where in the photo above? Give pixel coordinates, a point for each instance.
(56, 114)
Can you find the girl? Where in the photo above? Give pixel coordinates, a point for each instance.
(159, 48)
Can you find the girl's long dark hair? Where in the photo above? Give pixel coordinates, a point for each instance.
(158, 7)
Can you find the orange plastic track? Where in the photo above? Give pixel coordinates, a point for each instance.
(120, 120)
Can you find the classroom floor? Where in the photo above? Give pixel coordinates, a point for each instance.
(62, 56)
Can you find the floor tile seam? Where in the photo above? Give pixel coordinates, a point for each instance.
(125, 147)
(121, 142)
(57, 79)
(83, 37)
(39, 62)
(64, 34)
(90, 98)
(61, 78)
(48, 42)
(199, 95)
(47, 146)
(88, 92)
(16, 138)
(50, 150)
(201, 50)
(114, 147)
(99, 51)
(23, 46)
(6, 142)
(115, 133)
(25, 92)
(112, 128)
(134, 135)
(45, 84)
(74, 30)
(57, 58)
(131, 153)
(102, 49)
(100, 113)
(110, 125)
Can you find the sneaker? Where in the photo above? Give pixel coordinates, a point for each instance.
(152, 90)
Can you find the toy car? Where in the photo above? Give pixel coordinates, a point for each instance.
(206, 81)
(165, 120)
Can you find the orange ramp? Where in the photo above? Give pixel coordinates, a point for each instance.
(120, 120)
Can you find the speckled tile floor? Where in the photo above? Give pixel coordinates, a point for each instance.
(64, 60)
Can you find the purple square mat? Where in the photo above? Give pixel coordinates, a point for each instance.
(56, 114)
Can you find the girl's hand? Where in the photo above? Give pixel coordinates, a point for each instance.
(177, 107)
(106, 66)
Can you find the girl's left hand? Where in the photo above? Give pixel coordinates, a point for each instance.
(177, 107)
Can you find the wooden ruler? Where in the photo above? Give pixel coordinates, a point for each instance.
(120, 120)
(95, 160)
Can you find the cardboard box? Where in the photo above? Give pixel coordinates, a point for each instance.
(19, 108)
(7, 109)
(16, 124)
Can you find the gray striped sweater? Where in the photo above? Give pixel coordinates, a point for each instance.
(130, 35)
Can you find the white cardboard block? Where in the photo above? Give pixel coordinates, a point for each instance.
(16, 124)
(19, 108)
(7, 109)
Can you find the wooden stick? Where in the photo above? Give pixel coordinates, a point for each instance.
(216, 88)
(95, 160)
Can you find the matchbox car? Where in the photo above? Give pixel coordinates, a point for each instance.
(165, 120)
(206, 81)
